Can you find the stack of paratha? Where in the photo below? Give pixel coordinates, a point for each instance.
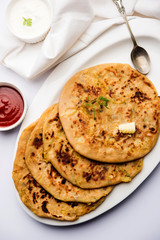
(71, 158)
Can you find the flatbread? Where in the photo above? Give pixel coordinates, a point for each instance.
(77, 169)
(39, 201)
(95, 101)
(47, 176)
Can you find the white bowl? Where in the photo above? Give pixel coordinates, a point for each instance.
(27, 36)
(24, 110)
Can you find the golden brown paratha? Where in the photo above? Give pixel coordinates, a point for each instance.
(47, 176)
(77, 169)
(39, 201)
(95, 101)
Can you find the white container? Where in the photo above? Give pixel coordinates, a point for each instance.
(6, 84)
(29, 20)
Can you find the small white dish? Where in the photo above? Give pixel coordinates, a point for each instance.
(30, 20)
(6, 84)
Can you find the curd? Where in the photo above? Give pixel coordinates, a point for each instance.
(29, 18)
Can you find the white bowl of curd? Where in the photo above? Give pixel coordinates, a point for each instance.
(29, 20)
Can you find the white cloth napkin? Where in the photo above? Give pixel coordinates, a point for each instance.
(75, 25)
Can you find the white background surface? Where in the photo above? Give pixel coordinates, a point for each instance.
(137, 217)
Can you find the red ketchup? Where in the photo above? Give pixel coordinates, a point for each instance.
(11, 106)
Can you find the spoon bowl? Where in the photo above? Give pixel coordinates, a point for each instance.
(140, 59)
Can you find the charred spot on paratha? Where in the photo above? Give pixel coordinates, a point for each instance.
(64, 156)
(140, 96)
(95, 174)
(44, 207)
(37, 142)
(56, 118)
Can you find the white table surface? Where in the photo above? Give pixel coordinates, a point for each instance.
(136, 218)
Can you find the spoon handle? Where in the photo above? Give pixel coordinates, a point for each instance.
(122, 11)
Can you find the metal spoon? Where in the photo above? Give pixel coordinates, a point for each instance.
(139, 56)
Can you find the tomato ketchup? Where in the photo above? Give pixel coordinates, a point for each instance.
(11, 106)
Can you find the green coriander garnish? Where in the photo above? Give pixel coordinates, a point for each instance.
(95, 105)
(103, 101)
(27, 22)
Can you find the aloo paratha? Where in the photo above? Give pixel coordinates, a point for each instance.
(77, 169)
(47, 176)
(39, 201)
(95, 101)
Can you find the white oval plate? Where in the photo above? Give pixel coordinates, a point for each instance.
(113, 46)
